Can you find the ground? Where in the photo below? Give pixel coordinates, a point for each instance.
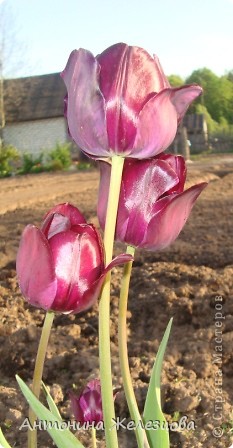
(191, 281)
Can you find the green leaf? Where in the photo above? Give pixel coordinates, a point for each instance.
(158, 438)
(52, 406)
(3, 441)
(62, 437)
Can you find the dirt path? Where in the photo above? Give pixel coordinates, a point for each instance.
(28, 190)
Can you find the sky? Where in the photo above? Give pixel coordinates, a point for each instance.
(184, 34)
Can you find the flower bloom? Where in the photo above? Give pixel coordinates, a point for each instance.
(153, 206)
(121, 103)
(87, 407)
(60, 266)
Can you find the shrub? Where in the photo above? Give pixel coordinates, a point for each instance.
(54, 165)
(31, 164)
(56, 160)
(60, 157)
(83, 166)
(8, 154)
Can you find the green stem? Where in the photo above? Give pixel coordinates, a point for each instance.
(123, 353)
(104, 307)
(38, 371)
(93, 437)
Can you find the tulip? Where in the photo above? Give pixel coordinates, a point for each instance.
(60, 266)
(121, 103)
(153, 206)
(87, 407)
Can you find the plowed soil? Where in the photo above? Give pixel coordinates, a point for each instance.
(191, 281)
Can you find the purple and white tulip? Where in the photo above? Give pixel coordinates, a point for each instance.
(153, 206)
(60, 266)
(87, 407)
(121, 103)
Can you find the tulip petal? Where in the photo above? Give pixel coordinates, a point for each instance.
(87, 407)
(91, 405)
(35, 268)
(177, 163)
(117, 261)
(182, 97)
(128, 77)
(145, 178)
(70, 211)
(85, 104)
(94, 385)
(61, 218)
(166, 225)
(93, 293)
(76, 408)
(162, 80)
(78, 262)
(156, 127)
(54, 223)
(142, 179)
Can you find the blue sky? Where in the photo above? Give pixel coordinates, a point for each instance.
(185, 34)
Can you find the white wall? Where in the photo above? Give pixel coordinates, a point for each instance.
(33, 136)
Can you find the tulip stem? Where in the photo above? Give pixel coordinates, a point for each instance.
(93, 437)
(123, 354)
(38, 371)
(104, 307)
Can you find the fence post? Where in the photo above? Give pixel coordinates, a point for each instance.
(184, 143)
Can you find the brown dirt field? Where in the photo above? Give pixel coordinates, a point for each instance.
(184, 281)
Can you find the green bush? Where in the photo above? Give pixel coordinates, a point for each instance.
(83, 166)
(8, 154)
(56, 160)
(60, 157)
(54, 165)
(31, 164)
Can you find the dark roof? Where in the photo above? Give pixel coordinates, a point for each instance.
(34, 97)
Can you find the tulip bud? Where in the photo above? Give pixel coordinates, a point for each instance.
(87, 407)
(60, 266)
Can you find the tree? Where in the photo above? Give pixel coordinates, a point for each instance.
(2, 109)
(12, 53)
(229, 75)
(225, 99)
(217, 94)
(175, 80)
(211, 124)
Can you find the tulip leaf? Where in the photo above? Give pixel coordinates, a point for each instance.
(3, 441)
(62, 437)
(52, 406)
(158, 437)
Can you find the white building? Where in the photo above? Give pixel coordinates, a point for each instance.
(33, 108)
